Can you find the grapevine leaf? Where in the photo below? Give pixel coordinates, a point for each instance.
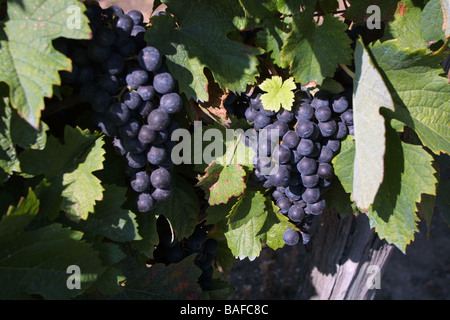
(272, 38)
(421, 102)
(195, 38)
(245, 220)
(405, 26)
(358, 10)
(16, 132)
(260, 9)
(177, 281)
(110, 219)
(409, 174)
(445, 4)
(370, 94)
(29, 63)
(222, 182)
(279, 94)
(431, 22)
(314, 51)
(69, 182)
(343, 164)
(274, 227)
(252, 220)
(290, 7)
(181, 209)
(35, 262)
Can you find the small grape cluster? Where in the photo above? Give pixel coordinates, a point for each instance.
(128, 86)
(308, 137)
(172, 250)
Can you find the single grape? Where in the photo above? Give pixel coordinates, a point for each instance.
(140, 182)
(261, 121)
(311, 195)
(340, 104)
(160, 178)
(279, 176)
(305, 128)
(285, 116)
(323, 113)
(171, 103)
(161, 195)
(158, 119)
(328, 128)
(305, 112)
(305, 147)
(296, 213)
(325, 170)
(326, 154)
(284, 204)
(307, 166)
(347, 117)
(136, 16)
(147, 134)
(294, 193)
(150, 59)
(146, 92)
(291, 139)
(317, 207)
(124, 24)
(145, 202)
(163, 83)
(281, 154)
(310, 181)
(291, 237)
(157, 154)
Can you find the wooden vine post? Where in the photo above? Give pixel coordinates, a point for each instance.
(345, 260)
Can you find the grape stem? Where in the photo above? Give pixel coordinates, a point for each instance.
(347, 70)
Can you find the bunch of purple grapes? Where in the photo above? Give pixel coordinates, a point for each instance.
(307, 139)
(171, 250)
(133, 95)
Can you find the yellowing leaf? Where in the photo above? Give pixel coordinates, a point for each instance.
(278, 94)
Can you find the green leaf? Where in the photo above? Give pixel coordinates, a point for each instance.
(181, 209)
(69, 182)
(369, 95)
(431, 21)
(409, 175)
(273, 37)
(35, 262)
(177, 281)
(251, 221)
(357, 11)
(222, 182)
(445, 4)
(405, 26)
(110, 219)
(16, 132)
(279, 94)
(29, 63)
(315, 51)
(419, 92)
(343, 164)
(195, 38)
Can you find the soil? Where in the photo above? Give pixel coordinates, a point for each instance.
(423, 273)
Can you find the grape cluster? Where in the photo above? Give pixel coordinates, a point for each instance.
(171, 250)
(128, 86)
(307, 139)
